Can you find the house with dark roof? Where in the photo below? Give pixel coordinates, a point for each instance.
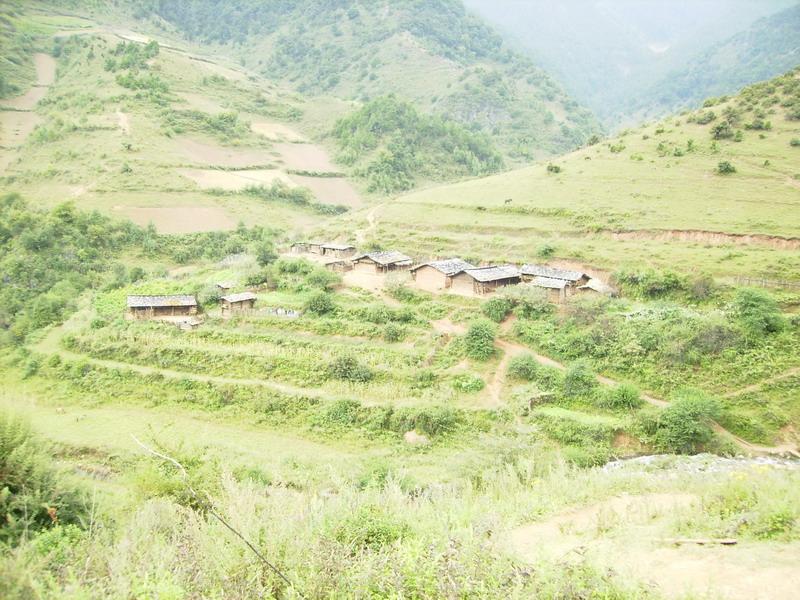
(556, 288)
(154, 307)
(483, 280)
(437, 275)
(335, 250)
(237, 303)
(574, 278)
(381, 262)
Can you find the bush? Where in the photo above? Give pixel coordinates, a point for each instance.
(579, 380)
(369, 528)
(467, 383)
(321, 303)
(524, 366)
(529, 302)
(497, 308)
(393, 333)
(33, 495)
(683, 427)
(725, 168)
(551, 168)
(347, 368)
(623, 396)
(758, 312)
(480, 340)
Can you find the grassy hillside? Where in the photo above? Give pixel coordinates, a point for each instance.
(657, 196)
(432, 54)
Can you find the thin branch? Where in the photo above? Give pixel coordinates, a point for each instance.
(209, 507)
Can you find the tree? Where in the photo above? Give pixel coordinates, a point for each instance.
(758, 312)
(320, 303)
(265, 253)
(480, 340)
(725, 168)
(685, 426)
(579, 380)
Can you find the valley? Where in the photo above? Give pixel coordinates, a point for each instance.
(315, 302)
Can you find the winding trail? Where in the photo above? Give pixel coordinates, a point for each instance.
(511, 349)
(757, 386)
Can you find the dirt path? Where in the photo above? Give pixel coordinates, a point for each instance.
(361, 234)
(625, 533)
(757, 386)
(124, 122)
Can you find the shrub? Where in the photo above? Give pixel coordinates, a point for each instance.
(347, 368)
(551, 168)
(393, 333)
(545, 251)
(529, 302)
(623, 396)
(579, 380)
(497, 308)
(524, 366)
(683, 427)
(423, 379)
(758, 312)
(320, 303)
(369, 528)
(480, 340)
(722, 131)
(33, 495)
(795, 142)
(725, 168)
(467, 383)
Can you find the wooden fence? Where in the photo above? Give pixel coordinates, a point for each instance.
(760, 282)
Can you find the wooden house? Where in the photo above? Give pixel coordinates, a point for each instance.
(381, 262)
(155, 307)
(339, 266)
(483, 280)
(299, 248)
(237, 303)
(437, 275)
(338, 250)
(224, 286)
(556, 288)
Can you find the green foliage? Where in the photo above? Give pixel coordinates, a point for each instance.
(33, 495)
(624, 396)
(579, 380)
(650, 283)
(321, 303)
(725, 168)
(300, 197)
(369, 528)
(529, 302)
(555, 169)
(393, 333)
(524, 366)
(479, 340)
(265, 253)
(683, 427)
(497, 308)
(396, 144)
(348, 368)
(758, 312)
(467, 383)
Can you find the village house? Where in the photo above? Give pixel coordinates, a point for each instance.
(299, 248)
(595, 286)
(381, 262)
(483, 280)
(548, 278)
(437, 275)
(338, 250)
(556, 288)
(237, 303)
(225, 286)
(156, 307)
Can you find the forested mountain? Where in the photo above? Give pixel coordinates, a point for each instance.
(617, 56)
(433, 54)
(770, 46)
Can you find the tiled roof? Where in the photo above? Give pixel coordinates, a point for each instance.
(333, 246)
(159, 301)
(389, 257)
(551, 272)
(449, 266)
(493, 273)
(240, 297)
(550, 283)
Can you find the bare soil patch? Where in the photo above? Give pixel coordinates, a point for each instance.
(45, 68)
(124, 122)
(16, 126)
(202, 103)
(713, 238)
(304, 157)
(234, 180)
(625, 533)
(330, 190)
(179, 219)
(215, 154)
(276, 131)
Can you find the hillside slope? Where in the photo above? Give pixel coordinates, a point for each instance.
(433, 54)
(654, 196)
(769, 47)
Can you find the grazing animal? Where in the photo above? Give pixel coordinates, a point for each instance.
(508, 200)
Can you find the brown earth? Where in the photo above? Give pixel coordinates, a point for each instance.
(234, 180)
(304, 157)
(214, 154)
(276, 132)
(124, 122)
(624, 534)
(714, 238)
(330, 190)
(179, 219)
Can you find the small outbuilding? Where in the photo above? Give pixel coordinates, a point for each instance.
(299, 248)
(556, 288)
(437, 275)
(237, 303)
(224, 286)
(381, 262)
(155, 307)
(595, 286)
(335, 250)
(483, 280)
(574, 278)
